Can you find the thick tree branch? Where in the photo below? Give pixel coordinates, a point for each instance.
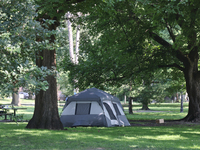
(160, 40)
(181, 57)
(172, 65)
(169, 28)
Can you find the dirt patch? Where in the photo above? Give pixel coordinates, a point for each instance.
(145, 123)
(13, 121)
(151, 123)
(148, 111)
(6, 121)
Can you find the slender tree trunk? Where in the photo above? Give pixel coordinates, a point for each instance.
(70, 34)
(15, 98)
(124, 99)
(77, 51)
(177, 98)
(30, 95)
(130, 99)
(130, 109)
(74, 58)
(77, 43)
(46, 108)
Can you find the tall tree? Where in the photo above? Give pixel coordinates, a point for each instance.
(182, 23)
(49, 15)
(134, 29)
(45, 100)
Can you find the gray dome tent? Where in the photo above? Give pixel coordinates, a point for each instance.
(93, 107)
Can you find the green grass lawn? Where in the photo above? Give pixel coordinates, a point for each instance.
(166, 111)
(16, 136)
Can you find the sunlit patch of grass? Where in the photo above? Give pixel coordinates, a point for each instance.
(22, 101)
(165, 137)
(156, 115)
(167, 111)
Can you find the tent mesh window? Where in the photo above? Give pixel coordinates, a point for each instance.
(110, 112)
(116, 109)
(83, 108)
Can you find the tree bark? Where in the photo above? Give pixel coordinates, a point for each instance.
(177, 97)
(46, 108)
(145, 107)
(77, 43)
(192, 77)
(130, 109)
(193, 88)
(70, 34)
(124, 99)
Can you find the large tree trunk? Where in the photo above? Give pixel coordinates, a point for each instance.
(46, 114)
(192, 77)
(46, 109)
(193, 89)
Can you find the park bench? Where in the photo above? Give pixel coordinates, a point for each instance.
(4, 113)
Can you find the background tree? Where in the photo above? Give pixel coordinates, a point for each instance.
(133, 43)
(65, 85)
(64, 53)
